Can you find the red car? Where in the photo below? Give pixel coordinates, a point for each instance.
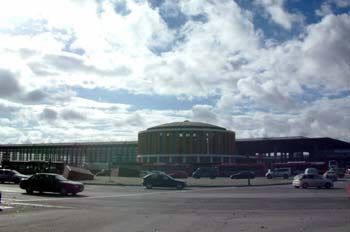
(48, 182)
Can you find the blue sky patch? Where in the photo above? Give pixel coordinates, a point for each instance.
(121, 7)
(141, 101)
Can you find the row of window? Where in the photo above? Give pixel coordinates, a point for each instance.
(57, 150)
(186, 142)
(189, 159)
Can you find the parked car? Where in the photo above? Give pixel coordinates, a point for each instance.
(48, 182)
(9, 175)
(162, 180)
(311, 180)
(243, 175)
(279, 172)
(331, 174)
(211, 172)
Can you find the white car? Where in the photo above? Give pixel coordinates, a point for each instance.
(311, 180)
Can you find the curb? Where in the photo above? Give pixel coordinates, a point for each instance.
(196, 186)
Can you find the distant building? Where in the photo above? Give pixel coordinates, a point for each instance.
(94, 155)
(183, 143)
(186, 142)
(289, 149)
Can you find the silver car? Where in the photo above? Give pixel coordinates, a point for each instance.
(311, 180)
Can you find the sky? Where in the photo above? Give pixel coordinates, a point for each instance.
(84, 70)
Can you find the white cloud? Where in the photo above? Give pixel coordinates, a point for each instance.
(326, 52)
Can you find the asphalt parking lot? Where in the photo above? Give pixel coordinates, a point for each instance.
(116, 208)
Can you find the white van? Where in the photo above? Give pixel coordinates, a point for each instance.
(279, 172)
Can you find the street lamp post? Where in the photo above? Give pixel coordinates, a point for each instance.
(248, 167)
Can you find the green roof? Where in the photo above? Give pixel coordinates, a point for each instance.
(186, 124)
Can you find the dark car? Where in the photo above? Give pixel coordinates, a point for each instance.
(162, 180)
(211, 172)
(243, 175)
(48, 182)
(8, 175)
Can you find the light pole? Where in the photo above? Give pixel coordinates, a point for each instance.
(207, 145)
(248, 167)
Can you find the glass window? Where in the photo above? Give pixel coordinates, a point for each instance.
(60, 178)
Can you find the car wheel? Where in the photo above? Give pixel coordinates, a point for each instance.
(2, 182)
(296, 187)
(327, 185)
(29, 190)
(63, 191)
(212, 177)
(74, 194)
(269, 176)
(179, 186)
(149, 186)
(305, 186)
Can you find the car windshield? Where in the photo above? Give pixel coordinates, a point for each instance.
(15, 172)
(60, 178)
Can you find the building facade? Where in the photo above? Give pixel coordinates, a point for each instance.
(182, 143)
(99, 155)
(186, 142)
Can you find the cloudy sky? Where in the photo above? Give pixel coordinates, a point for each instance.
(102, 70)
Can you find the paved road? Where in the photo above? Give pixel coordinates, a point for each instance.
(110, 208)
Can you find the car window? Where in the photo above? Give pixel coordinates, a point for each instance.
(60, 178)
(34, 177)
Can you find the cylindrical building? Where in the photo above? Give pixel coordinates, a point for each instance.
(186, 142)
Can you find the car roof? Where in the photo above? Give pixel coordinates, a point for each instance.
(157, 173)
(48, 174)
